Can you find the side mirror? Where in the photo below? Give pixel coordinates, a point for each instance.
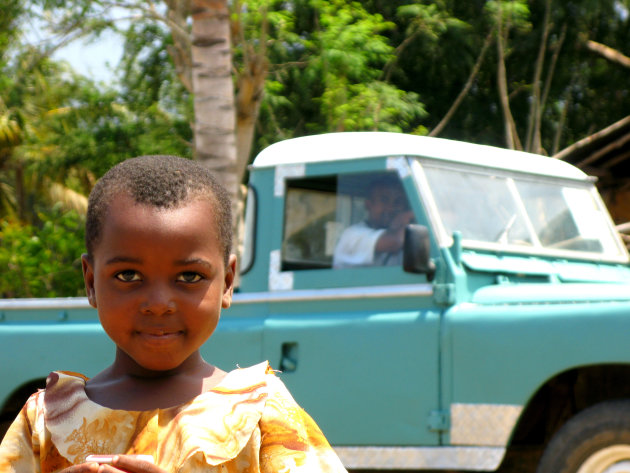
(417, 251)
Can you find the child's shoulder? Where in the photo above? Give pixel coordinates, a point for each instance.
(64, 384)
(60, 386)
(260, 377)
(256, 375)
(258, 382)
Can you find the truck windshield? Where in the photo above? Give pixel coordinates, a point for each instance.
(524, 212)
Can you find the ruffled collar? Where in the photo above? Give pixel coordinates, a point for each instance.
(217, 423)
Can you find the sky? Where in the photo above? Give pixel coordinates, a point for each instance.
(96, 59)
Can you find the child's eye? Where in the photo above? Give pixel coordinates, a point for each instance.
(189, 276)
(128, 275)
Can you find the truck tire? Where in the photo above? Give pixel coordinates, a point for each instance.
(597, 440)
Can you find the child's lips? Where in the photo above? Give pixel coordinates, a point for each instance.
(159, 334)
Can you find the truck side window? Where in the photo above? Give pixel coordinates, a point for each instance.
(309, 231)
(318, 210)
(249, 232)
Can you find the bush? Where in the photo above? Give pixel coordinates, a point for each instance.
(42, 260)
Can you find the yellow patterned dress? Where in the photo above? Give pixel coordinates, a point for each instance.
(248, 423)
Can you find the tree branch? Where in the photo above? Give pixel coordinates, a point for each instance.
(511, 136)
(609, 53)
(531, 142)
(589, 139)
(471, 78)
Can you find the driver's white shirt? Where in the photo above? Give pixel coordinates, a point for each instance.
(356, 247)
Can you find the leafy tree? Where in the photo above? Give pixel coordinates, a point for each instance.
(351, 55)
(552, 85)
(42, 261)
(535, 74)
(58, 133)
(329, 75)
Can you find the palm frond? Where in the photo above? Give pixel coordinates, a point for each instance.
(69, 199)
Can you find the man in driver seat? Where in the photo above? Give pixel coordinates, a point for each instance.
(378, 240)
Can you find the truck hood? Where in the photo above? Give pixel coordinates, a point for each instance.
(552, 293)
(569, 281)
(561, 270)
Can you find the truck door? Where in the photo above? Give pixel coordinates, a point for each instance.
(356, 345)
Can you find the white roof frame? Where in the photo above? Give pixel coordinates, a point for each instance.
(356, 145)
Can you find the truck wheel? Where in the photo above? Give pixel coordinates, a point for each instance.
(597, 440)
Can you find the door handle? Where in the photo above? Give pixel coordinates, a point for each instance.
(289, 357)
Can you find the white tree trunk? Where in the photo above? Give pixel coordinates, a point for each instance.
(213, 89)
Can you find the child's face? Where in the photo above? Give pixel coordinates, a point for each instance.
(158, 280)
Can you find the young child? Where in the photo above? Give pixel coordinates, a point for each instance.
(159, 270)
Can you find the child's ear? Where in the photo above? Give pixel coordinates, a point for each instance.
(228, 283)
(88, 278)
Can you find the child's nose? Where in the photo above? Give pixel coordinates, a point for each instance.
(158, 301)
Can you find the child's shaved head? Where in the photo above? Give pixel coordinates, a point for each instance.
(163, 182)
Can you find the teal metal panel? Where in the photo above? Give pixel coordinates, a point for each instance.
(589, 293)
(366, 370)
(237, 340)
(33, 350)
(344, 167)
(353, 277)
(501, 354)
(562, 270)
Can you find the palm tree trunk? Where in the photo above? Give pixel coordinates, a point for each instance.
(213, 89)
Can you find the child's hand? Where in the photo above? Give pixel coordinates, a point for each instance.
(118, 464)
(89, 467)
(128, 464)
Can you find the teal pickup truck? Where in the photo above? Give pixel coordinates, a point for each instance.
(505, 330)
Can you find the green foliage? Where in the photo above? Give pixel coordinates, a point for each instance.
(351, 56)
(149, 78)
(71, 130)
(394, 65)
(372, 106)
(514, 14)
(59, 132)
(339, 51)
(429, 20)
(44, 260)
(99, 130)
(12, 10)
(437, 55)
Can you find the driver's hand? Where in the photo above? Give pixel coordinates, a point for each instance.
(401, 220)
